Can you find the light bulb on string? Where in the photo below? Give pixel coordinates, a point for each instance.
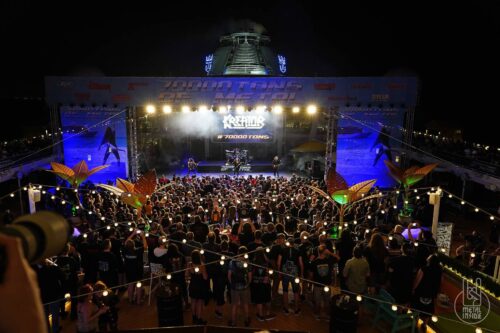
(434, 319)
(297, 280)
(105, 293)
(359, 298)
(138, 285)
(169, 276)
(67, 295)
(326, 289)
(394, 308)
(202, 251)
(196, 269)
(271, 272)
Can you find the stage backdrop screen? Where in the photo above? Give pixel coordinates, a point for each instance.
(367, 137)
(97, 135)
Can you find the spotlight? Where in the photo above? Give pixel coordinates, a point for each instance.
(312, 109)
(202, 108)
(186, 108)
(222, 109)
(278, 109)
(240, 109)
(167, 109)
(150, 109)
(295, 109)
(260, 108)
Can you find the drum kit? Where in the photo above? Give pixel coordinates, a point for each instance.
(241, 154)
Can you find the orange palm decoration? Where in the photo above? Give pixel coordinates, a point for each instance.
(136, 194)
(408, 177)
(341, 195)
(76, 175)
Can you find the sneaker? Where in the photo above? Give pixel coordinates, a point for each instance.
(286, 311)
(259, 318)
(247, 322)
(218, 315)
(270, 316)
(297, 311)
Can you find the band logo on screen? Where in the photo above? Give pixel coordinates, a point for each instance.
(243, 122)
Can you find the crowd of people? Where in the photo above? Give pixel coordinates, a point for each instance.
(234, 240)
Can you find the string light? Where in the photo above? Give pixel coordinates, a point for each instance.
(462, 202)
(359, 298)
(479, 330)
(394, 308)
(476, 210)
(221, 262)
(245, 265)
(147, 234)
(271, 272)
(196, 269)
(450, 196)
(184, 241)
(25, 188)
(138, 285)
(473, 255)
(287, 243)
(12, 195)
(297, 280)
(58, 188)
(84, 235)
(108, 227)
(202, 251)
(105, 293)
(223, 258)
(434, 319)
(116, 224)
(169, 276)
(492, 217)
(355, 222)
(326, 289)
(245, 256)
(63, 202)
(67, 295)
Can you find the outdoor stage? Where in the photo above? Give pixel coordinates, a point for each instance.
(222, 166)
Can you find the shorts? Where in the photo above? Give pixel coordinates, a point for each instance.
(240, 296)
(288, 279)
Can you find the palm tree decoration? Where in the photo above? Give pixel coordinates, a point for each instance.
(136, 194)
(343, 197)
(407, 178)
(75, 176)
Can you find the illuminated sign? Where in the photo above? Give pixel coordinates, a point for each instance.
(208, 62)
(243, 122)
(282, 63)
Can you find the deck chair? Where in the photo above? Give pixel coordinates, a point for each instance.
(156, 274)
(399, 321)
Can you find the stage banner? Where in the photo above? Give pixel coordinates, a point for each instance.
(366, 137)
(97, 135)
(247, 127)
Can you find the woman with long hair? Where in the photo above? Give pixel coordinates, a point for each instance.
(198, 286)
(176, 263)
(88, 312)
(376, 254)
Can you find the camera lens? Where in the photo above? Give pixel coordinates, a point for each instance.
(43, 234)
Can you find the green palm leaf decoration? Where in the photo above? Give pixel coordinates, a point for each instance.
(342, 196)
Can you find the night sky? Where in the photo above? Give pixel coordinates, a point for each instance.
(453, 50)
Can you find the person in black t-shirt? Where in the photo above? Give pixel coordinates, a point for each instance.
(134, 264)
(50, 280)
(69, 268)
(401, 270)
(200, 230)
(107, 265)
(321, 272)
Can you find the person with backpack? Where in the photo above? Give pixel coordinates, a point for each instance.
(240, 276)
(260, 288)
(291, 265)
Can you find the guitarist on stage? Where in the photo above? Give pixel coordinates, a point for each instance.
(276, 165)
(192, 166)
(237, 166)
